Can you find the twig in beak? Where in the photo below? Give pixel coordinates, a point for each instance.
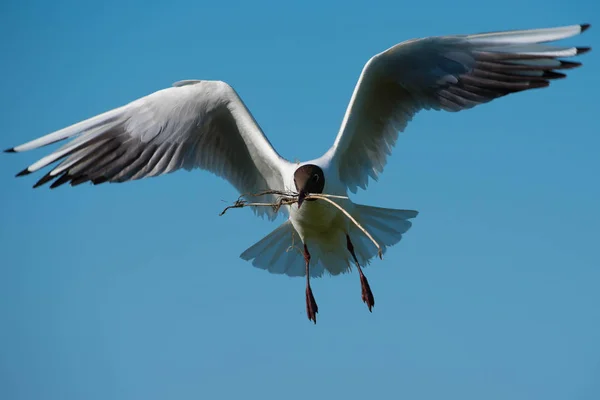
(288, 198)
(355, 222)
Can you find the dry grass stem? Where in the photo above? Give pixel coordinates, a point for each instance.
(287, 198)
(351, 218)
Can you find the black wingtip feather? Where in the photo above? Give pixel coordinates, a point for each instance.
(45, 179)
(11, 150)
(583, 50)
(585, 27)
(23, 173)
(539, 85)
(569, 64)
(78, 180)
(64, 178)
(553, 75)
(100, 180)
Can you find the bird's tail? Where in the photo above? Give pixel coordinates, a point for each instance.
(280, 252)
(385, 225)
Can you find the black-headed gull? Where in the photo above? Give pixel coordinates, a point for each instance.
(204, 124)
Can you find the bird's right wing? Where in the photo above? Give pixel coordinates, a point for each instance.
(450, 73)
(195, 124)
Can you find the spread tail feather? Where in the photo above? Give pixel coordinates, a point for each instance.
(386, 225)
(280, 252)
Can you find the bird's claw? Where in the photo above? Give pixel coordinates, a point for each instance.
(367, 295)
(311, 305)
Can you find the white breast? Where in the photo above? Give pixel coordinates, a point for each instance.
(313, 218)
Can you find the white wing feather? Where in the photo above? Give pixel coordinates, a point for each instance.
(195, 124)
(450, 73)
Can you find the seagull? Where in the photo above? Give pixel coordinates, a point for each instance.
(203, 124)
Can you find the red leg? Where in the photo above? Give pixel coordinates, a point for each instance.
(367, 295)
(311, 305)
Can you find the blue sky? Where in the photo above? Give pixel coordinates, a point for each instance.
(136, 291)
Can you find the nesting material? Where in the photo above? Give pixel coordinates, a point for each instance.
(288, 198)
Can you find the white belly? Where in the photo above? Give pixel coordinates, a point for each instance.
(319, 219)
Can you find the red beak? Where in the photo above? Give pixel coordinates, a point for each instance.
(301, 197)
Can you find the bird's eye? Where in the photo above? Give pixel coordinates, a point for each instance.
(315, 178)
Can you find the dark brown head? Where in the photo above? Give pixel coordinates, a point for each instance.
(308, 179)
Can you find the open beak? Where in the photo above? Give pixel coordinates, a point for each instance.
(301, 197)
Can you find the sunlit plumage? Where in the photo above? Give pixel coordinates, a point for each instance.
(205, 124)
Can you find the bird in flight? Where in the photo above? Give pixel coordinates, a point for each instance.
(204, 124)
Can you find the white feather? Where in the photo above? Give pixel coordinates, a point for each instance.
(449, 73)
(526, 36)
(204, 124)
(195, 124)
(69, 131)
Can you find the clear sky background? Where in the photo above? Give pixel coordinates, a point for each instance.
(136, 291)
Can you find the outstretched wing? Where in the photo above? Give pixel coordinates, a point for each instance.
(194, 124)
(450, 73)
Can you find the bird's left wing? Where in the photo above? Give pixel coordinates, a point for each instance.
(450, 73)
(195, 124)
